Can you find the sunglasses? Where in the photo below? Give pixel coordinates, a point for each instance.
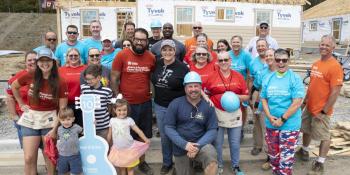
(197, 27)
(51, 39)
(278, 60)
(201, 54)
(264, 27)
(223, 60)
(73, 56)
(72, 33)
(126, 45)
(94, 55)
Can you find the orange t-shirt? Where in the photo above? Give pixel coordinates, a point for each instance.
(135, 72)
(324, 75)
(191, 44)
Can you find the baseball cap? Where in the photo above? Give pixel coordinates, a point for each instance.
(264, 23)
(45, 52)
(168, 42)
(107, 39)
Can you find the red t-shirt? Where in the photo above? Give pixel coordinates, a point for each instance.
(72, 77)
(188, 57)
(217, 85)
(204, 72)
(46, 101)
(23, 91)
(135, 72)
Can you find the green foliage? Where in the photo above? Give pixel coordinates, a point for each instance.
(19, 6)
(23, 6)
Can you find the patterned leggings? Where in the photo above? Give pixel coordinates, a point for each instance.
(281, 149)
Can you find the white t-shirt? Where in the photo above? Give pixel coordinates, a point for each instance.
(121, 132)
(251, 47)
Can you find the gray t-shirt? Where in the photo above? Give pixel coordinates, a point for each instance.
(68, 140)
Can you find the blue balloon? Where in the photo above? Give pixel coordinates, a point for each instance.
(230, 101)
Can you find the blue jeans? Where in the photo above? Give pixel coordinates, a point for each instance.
(19, 133)
(167, 149)
(234, 139)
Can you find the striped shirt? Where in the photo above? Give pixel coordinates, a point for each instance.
(101, 114)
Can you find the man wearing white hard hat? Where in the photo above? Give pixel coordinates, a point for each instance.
(191, 125)
(156, 29)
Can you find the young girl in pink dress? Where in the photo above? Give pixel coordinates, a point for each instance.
(126, 151)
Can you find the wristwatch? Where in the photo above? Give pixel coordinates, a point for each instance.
(283, 119)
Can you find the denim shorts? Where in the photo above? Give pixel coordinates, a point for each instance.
(70, 164)
(34, 132)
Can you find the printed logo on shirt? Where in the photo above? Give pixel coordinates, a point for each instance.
(276, 91)
(163, 79)
(198, 116)
(133, 67)
(316, 73)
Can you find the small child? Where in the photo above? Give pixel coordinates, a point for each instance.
(126, 151)
(68, 143)
(93, 76)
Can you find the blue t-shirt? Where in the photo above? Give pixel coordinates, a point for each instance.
(92, 43)
(187, 123)
(107, 60)
(240, 63)
(256, 67)
(62, 49)
(265, 72)
(279, 93)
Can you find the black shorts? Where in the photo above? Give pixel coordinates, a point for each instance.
(252, 92)
(142, 115)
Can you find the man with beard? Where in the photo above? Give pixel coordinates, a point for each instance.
(256, 68)
(263, 34)
(191, 43)
(72, 42)
(191, 124)
(168, 32)
(128, 33)
(131, 72)
(95, 40)
(50, 42)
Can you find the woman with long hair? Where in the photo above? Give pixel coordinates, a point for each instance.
(47, 93)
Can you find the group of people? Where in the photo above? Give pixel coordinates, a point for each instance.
(188, 81)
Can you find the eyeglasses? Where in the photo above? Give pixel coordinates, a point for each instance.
(126, 45)
(73, 56)
(72, 33)
(201, 54)
(264, 27)
(223, 60)
(278, 60)
(140, 40)
(94, 55)
(197, 28)
(51, 39)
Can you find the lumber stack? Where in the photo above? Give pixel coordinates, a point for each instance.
(340, 138)
(345, 90)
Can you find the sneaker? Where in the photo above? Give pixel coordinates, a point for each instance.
(165, 169)
(266, 166)
(237, 171)
(303, 155)
(255, 151)
(316, 169)
(220, 170)
(145, 168)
